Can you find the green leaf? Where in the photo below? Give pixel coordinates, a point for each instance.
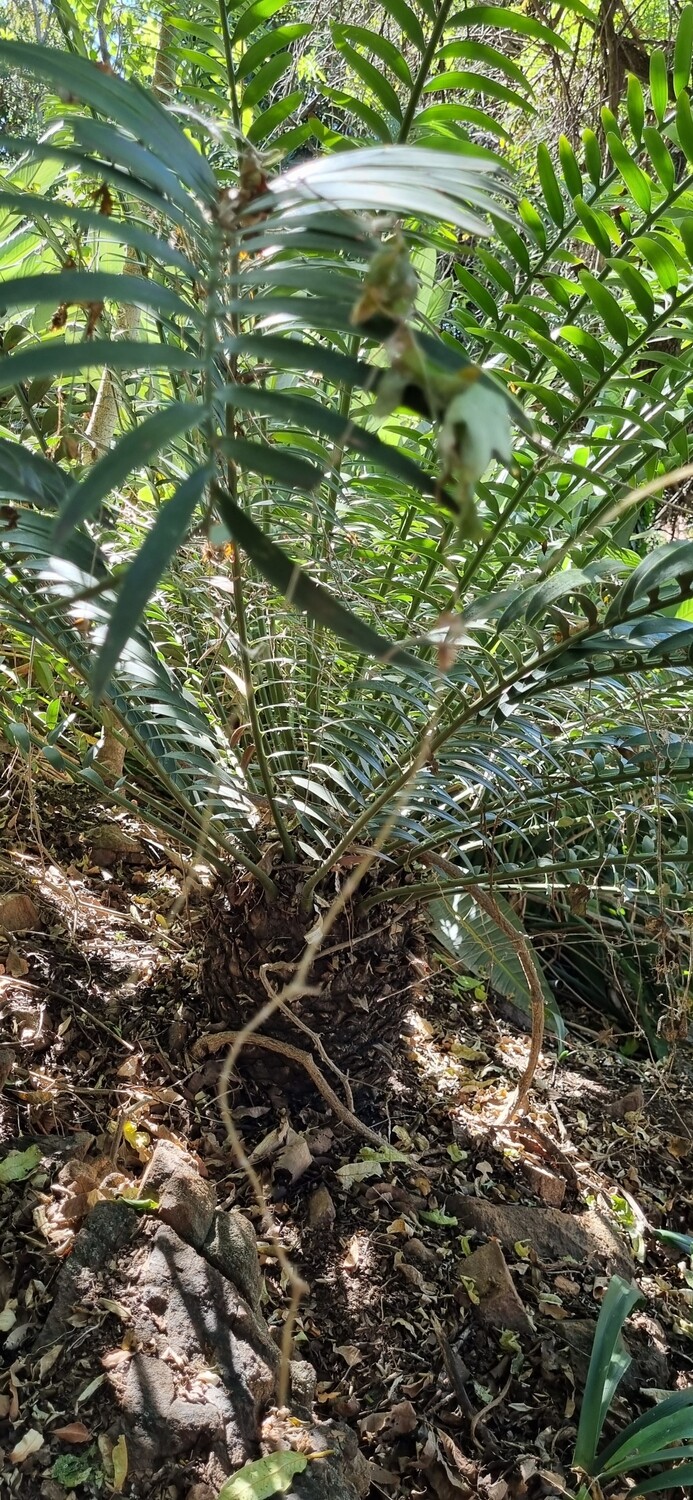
(572, 175)
(255, 16)
(659, 257)
(684, 125)
(275, 41)
(683, 50)
(29, 476)
(608, 1364)
(594, 224)
(636, 285)
(607, 307)
(635, 104)
(371, 76)
(478, 943)
(660, 157)
(477, 83)
(533, 222)
(549, 185)
(384, 49)
(272, 118)
(94, 286)
(104, 225)
(272, 462)
(671, 1479)
(133, 451)
(593, 157)
(265, 79)
(637, 183)
(303, 593)
(164, 538)
(669, 1420)
(659, 84)
(264, 1477)
(56, 357)
(17, 1165)
(507, 20)
(408, 22)
(133, 107)
(490, 57)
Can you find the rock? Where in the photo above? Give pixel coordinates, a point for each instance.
(421, 1255)
(186, 1201)
(18, 913)
(547, 1185)
(650, 1366)
(109, 843)
(303, 1381)
(191, 1309)
(231, 1247)
(109, 1229)
(586, 1238)
(321, 1210)
(499, 1304)
(160, 1420)
(631, 1103)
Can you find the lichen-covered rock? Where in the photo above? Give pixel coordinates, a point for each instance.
(186, 1201)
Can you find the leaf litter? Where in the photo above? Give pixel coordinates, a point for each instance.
(99, 1022)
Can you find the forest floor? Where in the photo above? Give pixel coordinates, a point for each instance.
(458, 1375)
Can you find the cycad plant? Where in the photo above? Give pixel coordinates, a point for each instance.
(246, 519)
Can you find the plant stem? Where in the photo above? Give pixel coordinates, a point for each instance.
(230, 70)
(424, 70)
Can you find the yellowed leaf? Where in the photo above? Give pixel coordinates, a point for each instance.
(119, 1459)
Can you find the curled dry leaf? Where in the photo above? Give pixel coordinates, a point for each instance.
(28, 1444)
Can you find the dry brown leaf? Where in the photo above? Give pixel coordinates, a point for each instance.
(353, 1254)
(15, 965)
(296, 1157)
(114, 1357)
(48, 1359)
(28, 1444)
(553, 1310)
(349, 1353)
(4, 1406)
(74, 1432)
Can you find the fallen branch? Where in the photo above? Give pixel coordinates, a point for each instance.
(219, 1039)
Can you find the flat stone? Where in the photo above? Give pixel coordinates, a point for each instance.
(186, 1201)
(18, 913)
(650, 1366)
(587, 1238)
(548, 1186)
(321, 1210)
(499, 1304)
